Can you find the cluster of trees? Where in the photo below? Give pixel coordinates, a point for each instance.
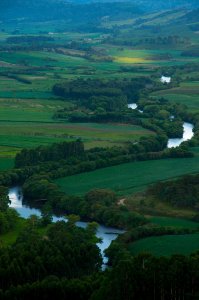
(106, 101)
(183, 192)
(57, 151)
(151, 278)
(30, 39)
(111, 95)
(166, 40)
(65, 251)
(137, 278)
(191, 53)
(8, 216)
(99, 205)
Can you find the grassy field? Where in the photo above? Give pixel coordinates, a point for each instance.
(173, 222)
(29, 123)
(31, 134)
(129, 178)
(167, 245)
(187, 94)
(5, 163)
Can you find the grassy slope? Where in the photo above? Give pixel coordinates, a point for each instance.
(5, 163)
(173, 222)
(129, 178)
(187, 94)
(167, 245)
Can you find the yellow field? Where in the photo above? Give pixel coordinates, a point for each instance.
(130, 60)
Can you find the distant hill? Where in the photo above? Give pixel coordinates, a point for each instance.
(150, 4)
(87, 11)
(57, 9)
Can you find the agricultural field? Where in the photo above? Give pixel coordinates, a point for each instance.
(6, 163)
(187, 93)
(173, 222)
(30, 123)
(167, 245)
(129, 178)
(31, 134)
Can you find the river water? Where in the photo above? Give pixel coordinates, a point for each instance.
(165, 79)
(107, 234)
(132, 105)
(187, 135)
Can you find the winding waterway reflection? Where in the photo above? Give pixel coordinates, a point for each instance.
(106, 234)
(187, 135)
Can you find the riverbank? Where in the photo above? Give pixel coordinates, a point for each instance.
(106, 234)
(187, 135)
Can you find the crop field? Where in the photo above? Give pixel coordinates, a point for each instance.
(167, 245)
(187, 94)
(27, 134)
(129, 178)
(173, 222)
(30, 123)
(5, 163)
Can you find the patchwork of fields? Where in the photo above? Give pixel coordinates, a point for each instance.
(27, 103)
(30, 123)
(187, 93)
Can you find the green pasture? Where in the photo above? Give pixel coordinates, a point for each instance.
(187, 94)
(31, 110)
(31, 134)
(5, 163)
(148, 57)
(173, 222)
(129, 178)
(30, 123)
(167, 245)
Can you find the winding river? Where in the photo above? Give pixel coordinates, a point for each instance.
(175, 142)
(107, 234)
(165, 79)
(132, 105)
(187, 135)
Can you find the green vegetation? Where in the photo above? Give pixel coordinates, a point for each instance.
(67, 74)
(6, 163)
(167, 245)
(131, 177)
(10, 237)
(187, 94)
(173, 222)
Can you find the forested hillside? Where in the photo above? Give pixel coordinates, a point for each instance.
(86, 10)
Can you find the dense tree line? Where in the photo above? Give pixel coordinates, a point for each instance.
(99, 205)
(29, 39)
(183, 192)
(8, 216)
(171, 40)
(151, 278)
(54, 152)
(65, 251)
(137, 278)
(111, 95)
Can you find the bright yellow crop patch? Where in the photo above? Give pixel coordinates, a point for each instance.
(129, 60)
